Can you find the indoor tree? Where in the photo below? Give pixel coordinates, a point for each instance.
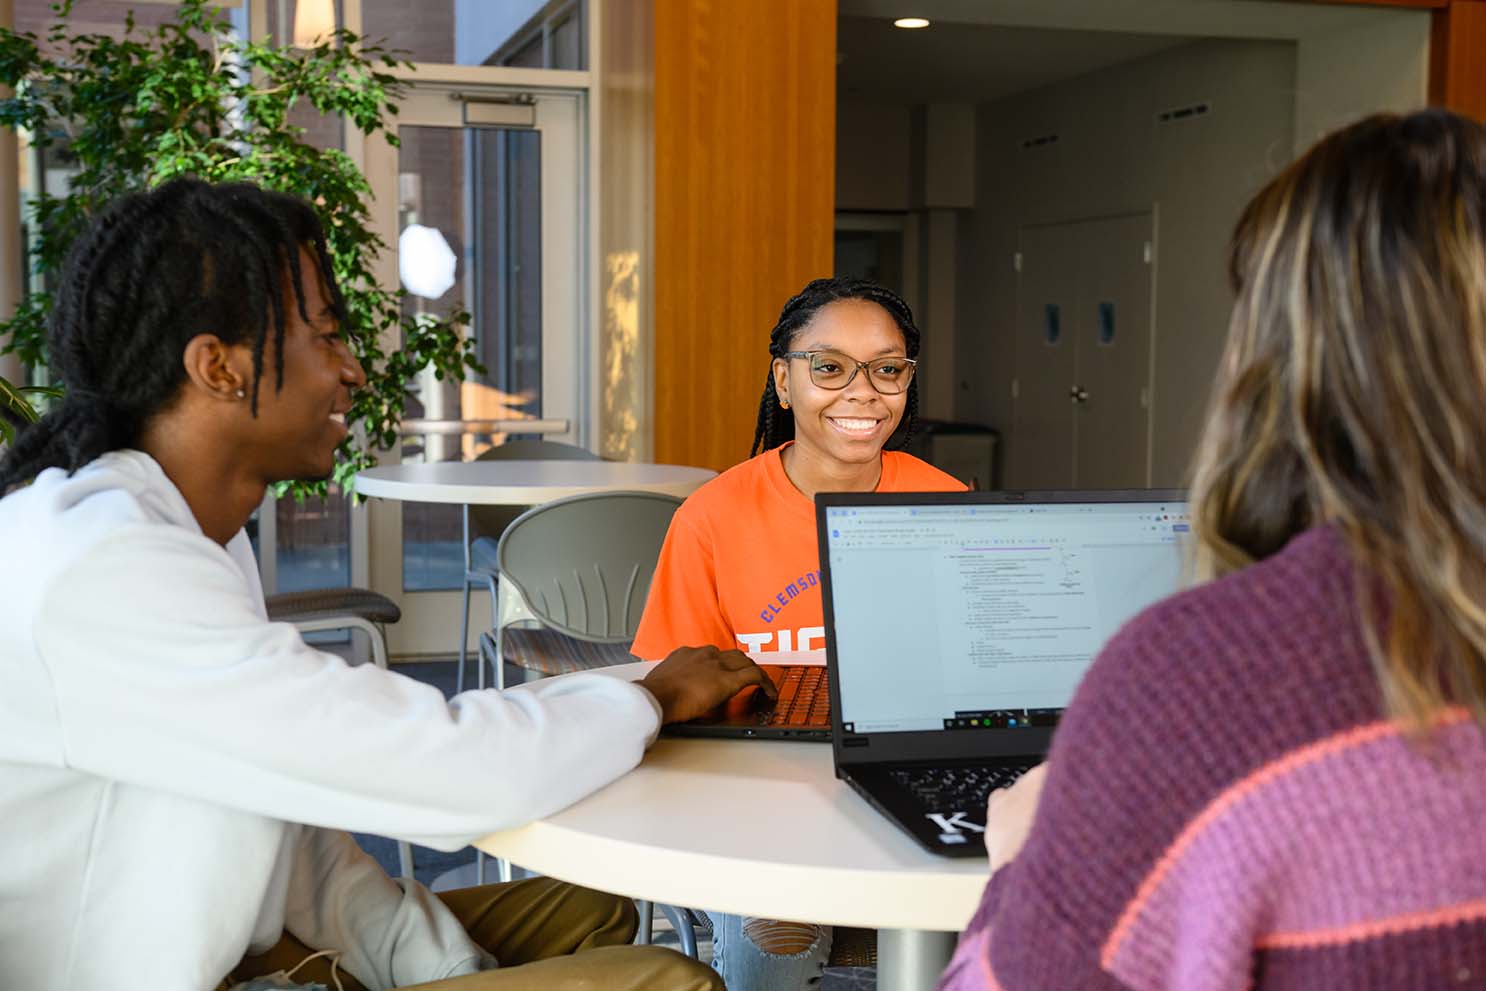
(191, 98)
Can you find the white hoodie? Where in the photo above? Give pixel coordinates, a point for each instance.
(161, 742)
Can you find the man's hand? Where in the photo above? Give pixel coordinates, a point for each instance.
(1009, 816)
(692, 680)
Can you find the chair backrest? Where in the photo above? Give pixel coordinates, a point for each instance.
(583, 565)
(491, 521)
(536, 450)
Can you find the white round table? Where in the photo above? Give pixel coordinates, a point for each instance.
(760, 828)
(523, 483)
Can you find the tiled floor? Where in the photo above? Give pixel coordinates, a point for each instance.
(430, 866)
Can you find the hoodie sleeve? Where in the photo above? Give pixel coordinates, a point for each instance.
(166, 675)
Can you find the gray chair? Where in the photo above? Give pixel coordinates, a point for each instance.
(361, 609)
(684, 921)
(483, 526)
(572, 576)
(572, 579)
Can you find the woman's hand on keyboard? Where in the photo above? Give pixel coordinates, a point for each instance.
(693, 680)
(1009, 815)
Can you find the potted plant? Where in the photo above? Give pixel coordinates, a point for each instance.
(188, 97)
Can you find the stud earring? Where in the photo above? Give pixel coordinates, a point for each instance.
(241, 394)
(784, 404)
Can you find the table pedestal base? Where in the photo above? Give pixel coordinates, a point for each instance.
(912, 959)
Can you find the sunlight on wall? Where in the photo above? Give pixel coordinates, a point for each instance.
(623, 397)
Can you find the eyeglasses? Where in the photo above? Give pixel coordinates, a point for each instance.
(834, 370)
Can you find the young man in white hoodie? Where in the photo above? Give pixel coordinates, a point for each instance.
(176, 773)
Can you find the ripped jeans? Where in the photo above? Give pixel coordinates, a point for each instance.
(762, 955)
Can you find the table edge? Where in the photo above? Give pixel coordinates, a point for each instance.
(689, 878)
(514, 494)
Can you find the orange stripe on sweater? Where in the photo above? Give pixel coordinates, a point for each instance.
(1316, 939)
(1237, 792)
(987, 971)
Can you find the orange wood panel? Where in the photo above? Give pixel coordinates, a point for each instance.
(1457, 58)
(745, 125)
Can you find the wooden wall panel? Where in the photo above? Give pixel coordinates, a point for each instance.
(1457, 58)
(745, 124)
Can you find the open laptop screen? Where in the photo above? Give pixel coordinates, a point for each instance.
(952, 612)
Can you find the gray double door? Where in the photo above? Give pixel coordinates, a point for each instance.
(1082, 403)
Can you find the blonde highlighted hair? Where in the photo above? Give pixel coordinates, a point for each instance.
(1353, 392)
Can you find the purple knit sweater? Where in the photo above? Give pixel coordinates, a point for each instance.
(1226, 808)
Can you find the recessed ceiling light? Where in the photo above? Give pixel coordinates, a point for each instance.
(911, 22)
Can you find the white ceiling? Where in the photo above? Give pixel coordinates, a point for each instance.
(981, 50)
(1189, 18)
(973, 63)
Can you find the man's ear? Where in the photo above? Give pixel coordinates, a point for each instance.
(220, 370)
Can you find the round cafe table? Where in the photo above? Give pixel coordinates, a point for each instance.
(760, 828)
(523, 483)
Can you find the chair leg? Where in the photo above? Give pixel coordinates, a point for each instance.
(464, 622)
(500, 664)
(490, 651)
(464, 633)
(490, 645)
(498, 655)
(491, 654)
(502, 868)
(685, 931)
(647, 921)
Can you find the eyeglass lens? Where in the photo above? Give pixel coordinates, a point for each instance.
(833, 370)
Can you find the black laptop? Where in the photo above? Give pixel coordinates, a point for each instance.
(959, 624)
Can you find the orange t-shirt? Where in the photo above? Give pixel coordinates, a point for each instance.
(740, 566)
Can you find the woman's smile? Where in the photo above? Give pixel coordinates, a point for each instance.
(857, 427)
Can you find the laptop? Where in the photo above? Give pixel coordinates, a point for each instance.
(958, 625)
(802, 711)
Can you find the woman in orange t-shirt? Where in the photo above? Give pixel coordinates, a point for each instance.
(740, 568)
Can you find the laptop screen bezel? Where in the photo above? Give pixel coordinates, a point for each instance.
(988, 744)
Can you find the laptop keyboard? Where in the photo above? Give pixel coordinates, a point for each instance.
(956, 786)
(804, 699)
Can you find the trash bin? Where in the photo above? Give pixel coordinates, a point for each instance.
(964, 450)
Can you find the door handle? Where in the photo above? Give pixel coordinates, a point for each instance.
(1078, 394)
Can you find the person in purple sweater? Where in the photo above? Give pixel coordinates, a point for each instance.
(1277, 779)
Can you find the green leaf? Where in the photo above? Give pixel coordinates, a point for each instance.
(163, 102)
(14, 407)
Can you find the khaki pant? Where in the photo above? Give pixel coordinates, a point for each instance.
(546, 935)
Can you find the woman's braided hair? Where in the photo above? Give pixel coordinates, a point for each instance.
(777, 424)
(152, 271)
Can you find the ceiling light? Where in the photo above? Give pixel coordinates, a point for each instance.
(911, 22)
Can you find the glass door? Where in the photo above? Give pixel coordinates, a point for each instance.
(488, 185)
